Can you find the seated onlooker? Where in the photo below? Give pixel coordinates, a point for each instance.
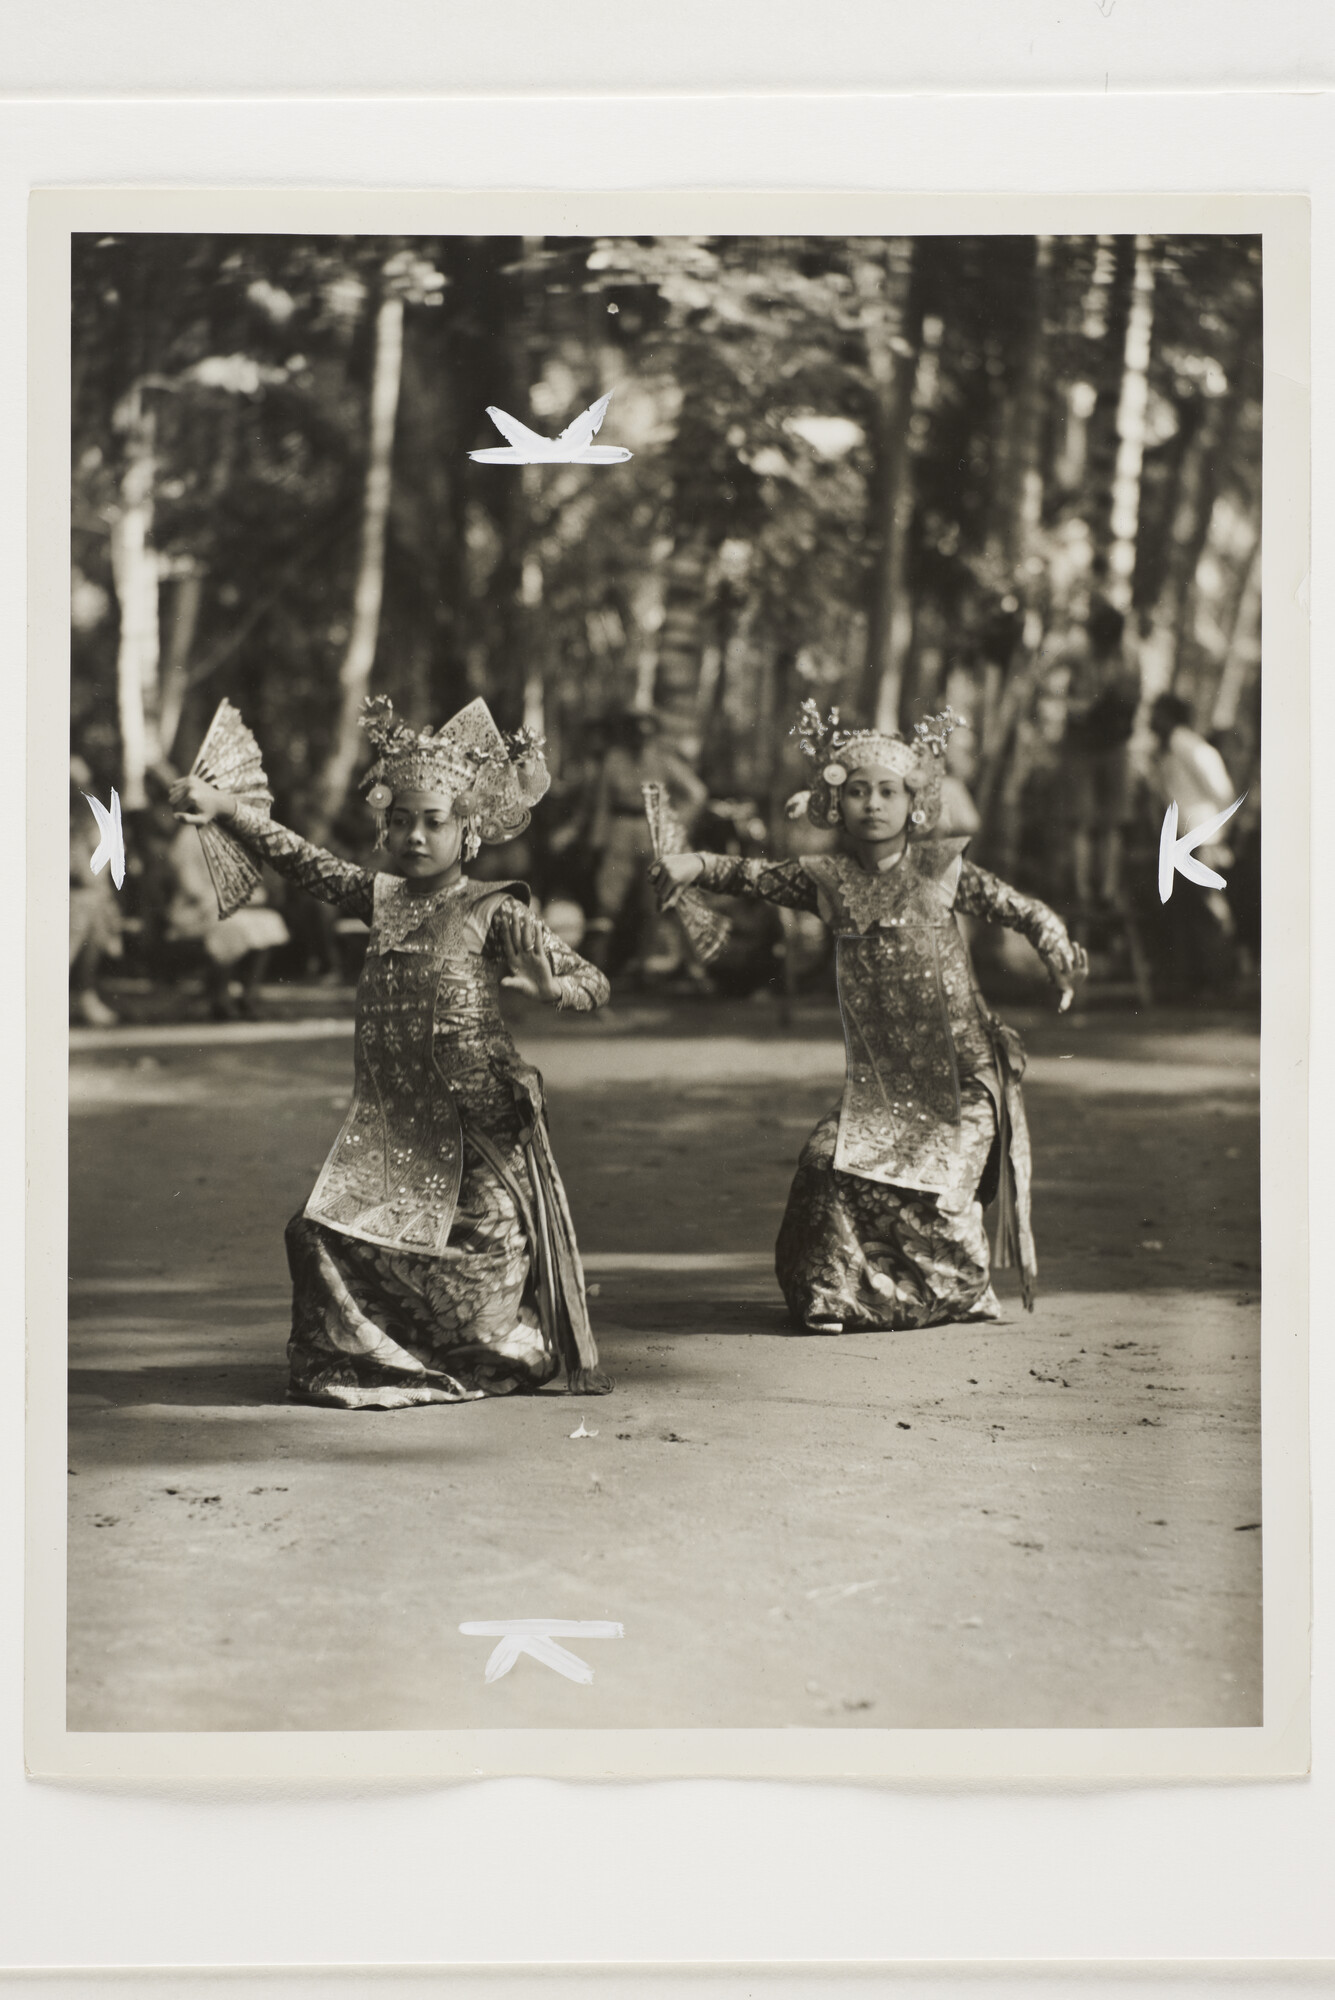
(233, 952)
(95, 925)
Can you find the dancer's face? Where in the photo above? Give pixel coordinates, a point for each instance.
(422, 837)
(875, 804)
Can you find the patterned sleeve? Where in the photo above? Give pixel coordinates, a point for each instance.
(783, 882)
(581, 986)
(311, 868)
(987, 896)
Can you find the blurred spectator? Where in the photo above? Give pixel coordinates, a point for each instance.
(569, 865)
(232, 952)
(326, 944)
(565, 918)
(1103, 696)
(95, 924)
(625, 923)
(751, 960)
(959, 814)
(1244, 879)
(1191, 772)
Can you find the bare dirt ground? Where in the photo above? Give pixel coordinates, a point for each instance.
(1049, 1522)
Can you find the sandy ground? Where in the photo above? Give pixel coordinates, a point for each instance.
(1049, 1522)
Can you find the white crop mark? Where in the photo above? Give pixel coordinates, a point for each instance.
(1176, 855)
(537, 1636)
(111, 850)
(575, 445)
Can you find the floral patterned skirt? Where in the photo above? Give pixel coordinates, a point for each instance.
(882, 1259)
(382, 1329)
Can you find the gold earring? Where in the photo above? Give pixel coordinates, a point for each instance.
(918, 816)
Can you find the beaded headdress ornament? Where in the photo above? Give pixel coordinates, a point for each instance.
(837, 752)
(491, 781)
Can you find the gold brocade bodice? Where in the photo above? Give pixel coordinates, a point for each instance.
(432, 1055)
(913, 1024)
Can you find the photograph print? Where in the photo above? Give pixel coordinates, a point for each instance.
(664, 983)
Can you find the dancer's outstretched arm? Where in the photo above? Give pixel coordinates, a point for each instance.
(540, 964)
(784, 882)
(987, 896)
(312, 868)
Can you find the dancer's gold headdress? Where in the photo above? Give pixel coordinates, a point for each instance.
(491, 781)
(837, 752)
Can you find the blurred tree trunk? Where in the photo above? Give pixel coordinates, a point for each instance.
(1133, 404)
(518, 674)
(135, 574)
(454, 364)
(687, 626)
(186, 600)
(1017, 487)
(682, 635)
(1107, 311)
(1167, 651)
(892, 328)
(483, 363)
(1016, 522)
(534, 648)
(368, 591)
(426, 522)
(1242, 661)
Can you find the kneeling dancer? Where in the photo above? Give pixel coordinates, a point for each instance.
(435, 1261)
(884, 1225)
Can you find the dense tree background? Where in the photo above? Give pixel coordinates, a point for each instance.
(885, 472)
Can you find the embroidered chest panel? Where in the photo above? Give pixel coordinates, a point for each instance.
(428, 1025)
(919, 889)
(911, 1019)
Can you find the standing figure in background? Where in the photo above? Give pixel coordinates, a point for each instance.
(637, 756)
(1191, 772)
(884, 1225)
(1101, 705)
(233, 951)
(959, 813)
(435, 1261)
(95, 926)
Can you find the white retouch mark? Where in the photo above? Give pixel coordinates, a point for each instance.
(575, 445)
(1176, 855)
(538, 1636)
(111, 851)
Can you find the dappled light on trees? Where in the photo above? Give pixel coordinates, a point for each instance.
(887, 473)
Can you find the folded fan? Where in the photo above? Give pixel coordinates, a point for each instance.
(229, 758)
(706, 931)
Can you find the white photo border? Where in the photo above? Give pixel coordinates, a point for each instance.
(1277, 1748)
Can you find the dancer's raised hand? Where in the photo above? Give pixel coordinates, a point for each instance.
(674, 873)
(531, 968)
(196, 802)
(1072, 965)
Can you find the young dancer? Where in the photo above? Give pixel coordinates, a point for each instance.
(435, 1261)
(884, 1225)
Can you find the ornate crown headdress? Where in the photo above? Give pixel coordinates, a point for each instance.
(838, 751)
(491, 781)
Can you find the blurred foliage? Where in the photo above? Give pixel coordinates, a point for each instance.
(863, 469)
